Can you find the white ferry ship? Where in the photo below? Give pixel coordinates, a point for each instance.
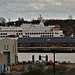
(31, 30)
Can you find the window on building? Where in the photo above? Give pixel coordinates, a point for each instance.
(6, 47)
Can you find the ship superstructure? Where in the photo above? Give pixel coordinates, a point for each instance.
(31, 30)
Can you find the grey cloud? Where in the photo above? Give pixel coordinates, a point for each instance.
(31, 8)
(34, 1)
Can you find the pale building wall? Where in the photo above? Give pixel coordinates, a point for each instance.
(9, 45)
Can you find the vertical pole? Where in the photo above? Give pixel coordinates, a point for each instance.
(54, 62)
(33, 58)
(39, 57)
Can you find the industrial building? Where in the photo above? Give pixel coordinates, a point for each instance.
(9, 49)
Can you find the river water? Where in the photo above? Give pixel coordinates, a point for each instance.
(59, 56)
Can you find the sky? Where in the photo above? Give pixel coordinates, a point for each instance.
(30, 9)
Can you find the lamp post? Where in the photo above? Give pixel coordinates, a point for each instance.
(54, 61)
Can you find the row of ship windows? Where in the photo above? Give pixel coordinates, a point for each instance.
(46, 35)
(9, 36)
(10, 30)
(6, 33)
(20, 33)
(43, 36)
(38, 33)
(28, 36)
(3, 33)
